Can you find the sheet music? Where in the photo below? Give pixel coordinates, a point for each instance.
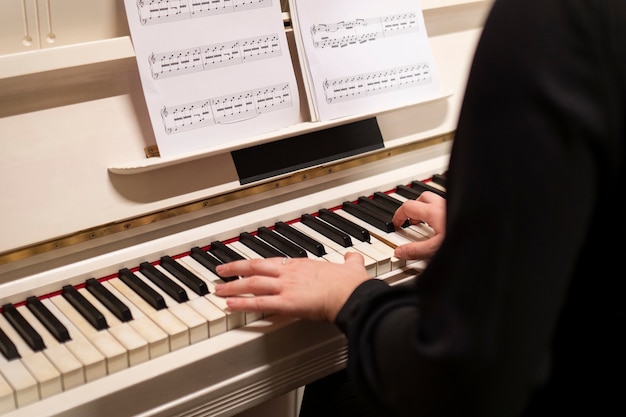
(364, 56)
(214, 73)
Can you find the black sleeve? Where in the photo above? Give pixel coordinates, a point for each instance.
(537, 159)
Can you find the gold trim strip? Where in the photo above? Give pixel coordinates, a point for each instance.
(299, 177)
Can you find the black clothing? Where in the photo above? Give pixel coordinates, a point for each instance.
(519, 311)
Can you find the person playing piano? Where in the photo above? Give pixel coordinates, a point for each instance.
(517, 312)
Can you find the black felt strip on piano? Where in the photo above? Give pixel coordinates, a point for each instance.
(308, 243)
(49, 320)
(344, 224)
(187, 277)
(85, 308)
(110, 301)
(336, 235)
(7, 347)
(19, 323)
(259, 162)
(146, 292)
(281, 243)
(171, 288)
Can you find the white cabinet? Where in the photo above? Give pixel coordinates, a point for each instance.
(27, 25)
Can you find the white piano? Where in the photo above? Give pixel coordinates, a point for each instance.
(84, 195)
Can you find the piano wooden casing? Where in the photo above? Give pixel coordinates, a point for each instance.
(80, 199)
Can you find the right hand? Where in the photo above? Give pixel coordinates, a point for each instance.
(429, 208)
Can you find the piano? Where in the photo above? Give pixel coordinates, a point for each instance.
(89, 208)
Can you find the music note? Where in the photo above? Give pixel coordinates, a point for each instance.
(164, 11)
(361, 85)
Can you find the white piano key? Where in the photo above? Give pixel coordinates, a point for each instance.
(396, 263)
(177, 332)
(71, 369)
(215, 317)
(47, 376)
(93, 360)
(157, 338)
(234, 319)
(7, 397)
(383, 260)
(198, 327)
(115, 354)
(22, 382)
(134, 344)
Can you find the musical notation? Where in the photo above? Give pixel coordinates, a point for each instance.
(186, 61)
(359, 31)
(379, 82)
(162, 11)
(226, 109)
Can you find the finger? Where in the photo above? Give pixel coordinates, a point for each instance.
(429, 197)
(354, 258)
(257, 266)
(257, 285)
(419, 250)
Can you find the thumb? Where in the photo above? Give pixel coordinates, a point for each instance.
(354, 258)
(418, 250)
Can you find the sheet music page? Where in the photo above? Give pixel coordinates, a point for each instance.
(364, 56)
(214, 73)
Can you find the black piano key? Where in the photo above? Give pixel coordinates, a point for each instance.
(110, 301)
(84, 307)
(440, 179)
(408, 192)
(344, 224)
(280, 242)
(162, 281)
(224, 253)
(327, 230)
(388, 200)
(23, 327)
(307, 242)
(376, 205)
(49, 320)
(209, 262)
(187, 277)
(146, 292)
(382, 210)
(259, 246)
(7, 347)
(368, 216)
(419, 185)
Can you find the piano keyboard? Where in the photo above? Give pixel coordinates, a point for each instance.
(78, 334)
